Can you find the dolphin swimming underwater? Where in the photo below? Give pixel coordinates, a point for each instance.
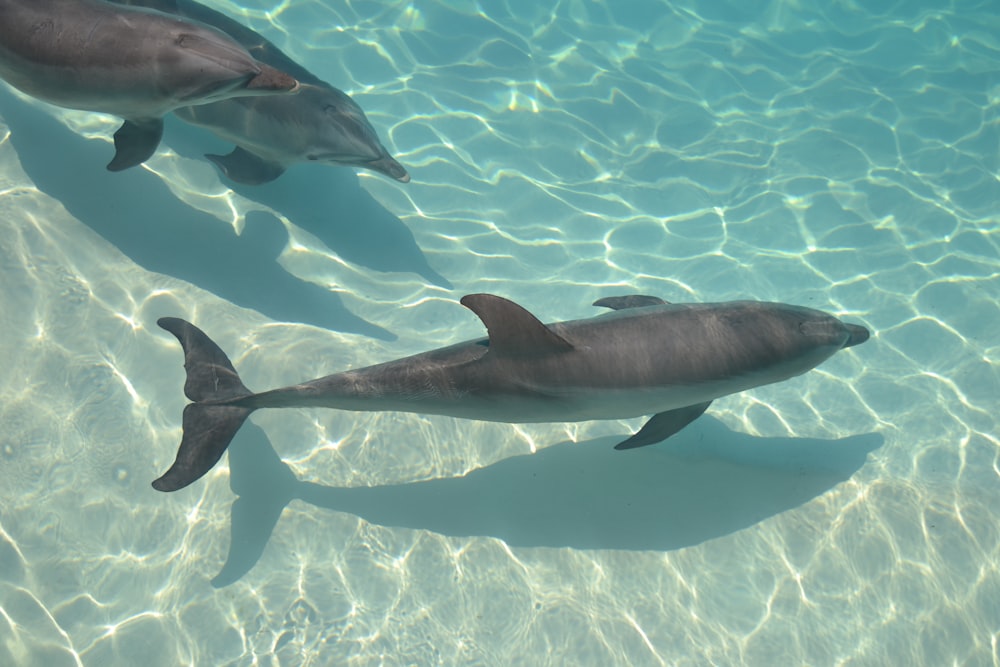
(318, 124)
(648, 357)
(134, 63)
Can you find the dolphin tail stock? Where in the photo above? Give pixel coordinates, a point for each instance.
(211, 421)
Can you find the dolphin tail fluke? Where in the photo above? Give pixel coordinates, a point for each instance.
(208, 430)
(271, 80)
(213, 419)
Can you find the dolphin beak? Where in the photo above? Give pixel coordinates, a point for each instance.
(858, 335)
(388, 166)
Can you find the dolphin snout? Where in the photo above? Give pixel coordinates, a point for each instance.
(390, 167)
(858, 335)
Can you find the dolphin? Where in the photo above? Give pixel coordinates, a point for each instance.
(318, 124)
(647, 357)
(134, 63)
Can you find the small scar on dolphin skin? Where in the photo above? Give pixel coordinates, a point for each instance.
(44, 26)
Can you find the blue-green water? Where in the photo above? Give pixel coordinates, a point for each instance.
(843, 158)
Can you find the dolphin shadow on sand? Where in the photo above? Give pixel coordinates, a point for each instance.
(136, 212)
(707, 482)
(329, 203)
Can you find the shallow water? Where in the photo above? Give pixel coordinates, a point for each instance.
(842, 158)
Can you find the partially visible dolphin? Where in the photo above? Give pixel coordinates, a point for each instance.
(318, 124)
(134, 63)
(648, 357)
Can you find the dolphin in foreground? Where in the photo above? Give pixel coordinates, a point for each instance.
(318, 124)
(134, 63)
(648, 357)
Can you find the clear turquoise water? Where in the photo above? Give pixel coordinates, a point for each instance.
(844, 158)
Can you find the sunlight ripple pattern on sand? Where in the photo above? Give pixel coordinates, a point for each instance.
(843, 158)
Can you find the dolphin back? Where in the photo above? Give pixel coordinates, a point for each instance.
(259, 46)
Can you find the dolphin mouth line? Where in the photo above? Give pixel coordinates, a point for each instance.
(345, 158)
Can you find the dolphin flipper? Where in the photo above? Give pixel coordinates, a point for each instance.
(135, 142)
(663, 425)
(242, 166)
(209, 424)
(630, 301)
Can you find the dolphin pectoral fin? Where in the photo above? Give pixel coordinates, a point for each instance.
(663, 425)
(135, 142)
(208, 430)
(630, 301)
(513, 330)
(242, 166)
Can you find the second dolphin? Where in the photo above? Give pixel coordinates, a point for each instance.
(318, 124)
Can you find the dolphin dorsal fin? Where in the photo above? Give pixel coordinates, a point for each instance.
(630, 301)
(513, 330)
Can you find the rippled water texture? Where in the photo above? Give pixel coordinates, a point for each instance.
(843, 158)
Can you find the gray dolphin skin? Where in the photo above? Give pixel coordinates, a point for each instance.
(646, 358)
(135, 63)
(318, 124)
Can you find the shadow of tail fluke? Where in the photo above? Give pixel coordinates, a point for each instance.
(264, 485)
(214, 418)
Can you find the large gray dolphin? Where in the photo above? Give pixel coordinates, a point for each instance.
(648, 357)
(318, 124)
(135, 63)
